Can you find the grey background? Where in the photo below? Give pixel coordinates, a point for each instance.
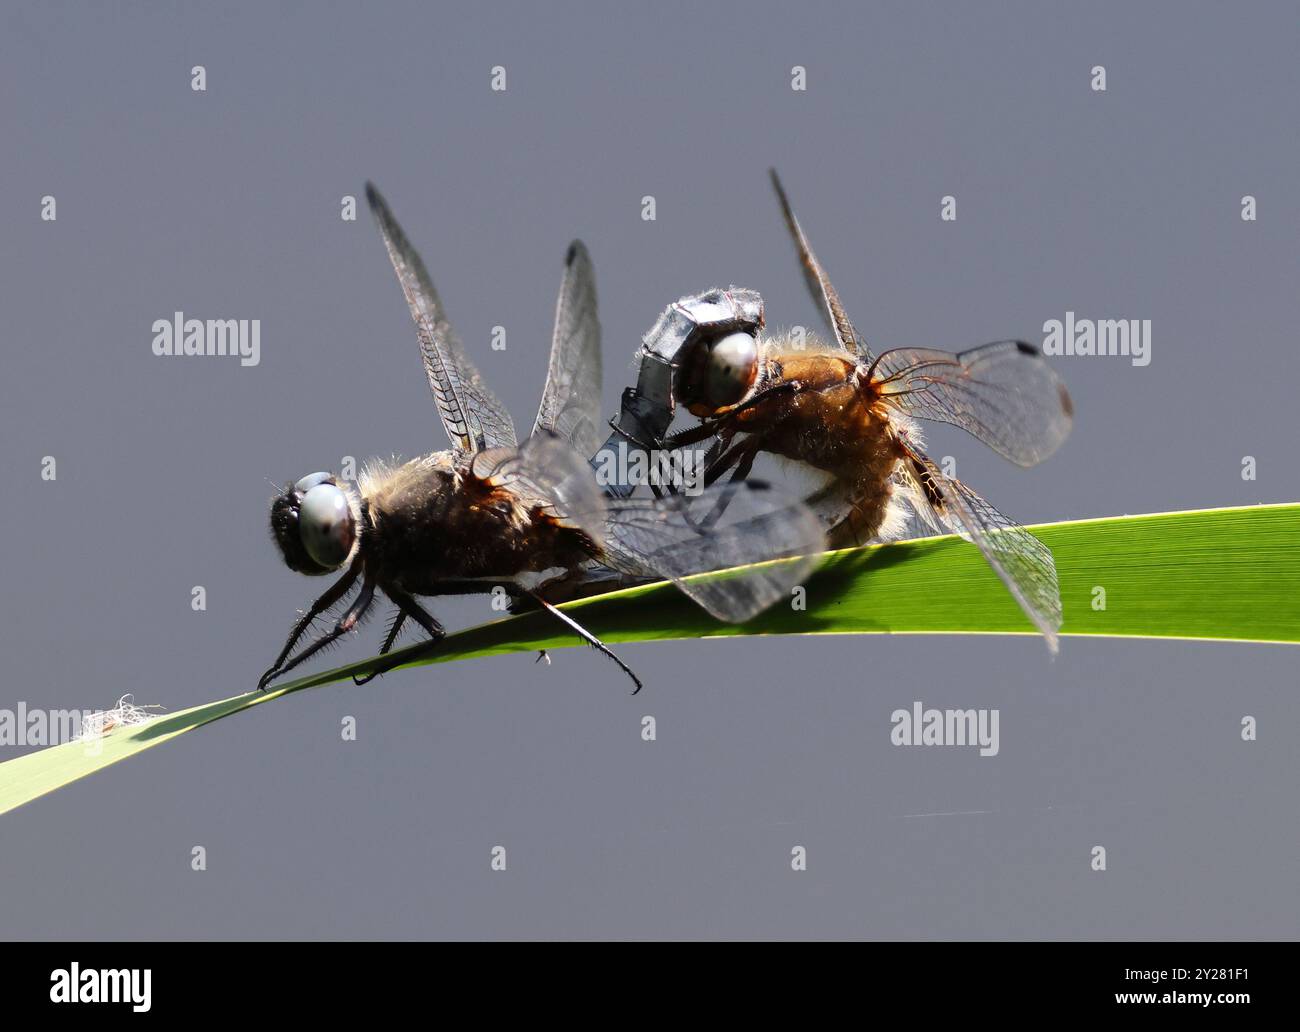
(226, 204)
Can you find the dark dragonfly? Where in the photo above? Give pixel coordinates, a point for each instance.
(529, 518)
(850, 416)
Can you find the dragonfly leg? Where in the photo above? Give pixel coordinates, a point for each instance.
(393, 631)
(590, 639)
(345, 623)
(407, 607)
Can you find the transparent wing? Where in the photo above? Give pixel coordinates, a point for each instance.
(547, 474)
(728, 525)
(473, 416)
(1024, 563)
(819, 285)
(571, 399)
(672, 538)
(1005, 394)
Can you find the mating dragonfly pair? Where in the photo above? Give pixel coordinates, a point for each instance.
(532, 518)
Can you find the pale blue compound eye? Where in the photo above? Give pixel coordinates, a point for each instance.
(308, 482)
(325, 524)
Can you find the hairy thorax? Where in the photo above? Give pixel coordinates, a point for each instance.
(431, 522)
(830, 420)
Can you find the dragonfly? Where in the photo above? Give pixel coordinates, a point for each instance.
(853, 417)
(529, 518)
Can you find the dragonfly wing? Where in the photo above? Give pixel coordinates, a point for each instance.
(729, 525)
(1004, 394)
(1024, 563)
(819, 284)
(547, 475)
(473, 416)
(571, 399)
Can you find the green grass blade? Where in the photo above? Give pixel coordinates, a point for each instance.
(1224, 574)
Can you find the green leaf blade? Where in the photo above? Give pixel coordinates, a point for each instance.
(1221, 574)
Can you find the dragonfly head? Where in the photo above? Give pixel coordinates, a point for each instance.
(315, 522)
(717, 372)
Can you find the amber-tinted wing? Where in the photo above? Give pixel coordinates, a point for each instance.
(473, 416)
(571, 399)
(1005, 394)
(819, 285)
(1024, 563)
(726, 526)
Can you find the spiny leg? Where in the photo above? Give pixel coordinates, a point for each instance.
(589, 638)
(726, 424)
(328, 599)
(747, 451)
(742, 457)
(346, 622)
(393, 631)
(711, 458)
(409, 608)
(674, 442)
